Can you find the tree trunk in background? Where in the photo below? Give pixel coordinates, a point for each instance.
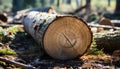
(43, 2)
(117, 10)
(78, 3)
(52, 2)
(17, 5)
(109, 2)
(62, 37)
(58, 3)
(88, 6)
(29, 3)
(68, 1)
(0, 1)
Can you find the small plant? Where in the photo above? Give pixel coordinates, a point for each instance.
(93, 50)
(8, 34)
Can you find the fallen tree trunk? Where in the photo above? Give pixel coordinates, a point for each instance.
(108, 41)
(62, 37)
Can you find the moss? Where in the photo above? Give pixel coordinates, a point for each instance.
(93, 50)
(7, 51)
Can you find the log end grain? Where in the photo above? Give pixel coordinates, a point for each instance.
(67, 37)
(62, 37)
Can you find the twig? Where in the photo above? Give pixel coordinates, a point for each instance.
(104, 26)
(16, 63)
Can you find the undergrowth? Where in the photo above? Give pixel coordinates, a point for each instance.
(94, 50)
(7, 35)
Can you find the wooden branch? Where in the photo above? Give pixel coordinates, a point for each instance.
(104, 26)
(80, 9)
(16, 63)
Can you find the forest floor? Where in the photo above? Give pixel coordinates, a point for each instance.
(22, 49)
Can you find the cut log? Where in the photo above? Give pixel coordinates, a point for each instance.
(108, 41)
(62, 37)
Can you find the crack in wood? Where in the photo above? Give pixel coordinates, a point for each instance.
(71, 44)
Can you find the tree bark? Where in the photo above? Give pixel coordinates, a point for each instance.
(62, 37)
(108, 41)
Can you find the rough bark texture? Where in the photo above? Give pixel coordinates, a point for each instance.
(108, 41)
(62, 37)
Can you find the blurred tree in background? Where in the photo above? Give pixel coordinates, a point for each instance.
(109, 2)
(23, 4)
(17, 5)
(63, 5)
(44, 2)
(87, 6)
(117, 9)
